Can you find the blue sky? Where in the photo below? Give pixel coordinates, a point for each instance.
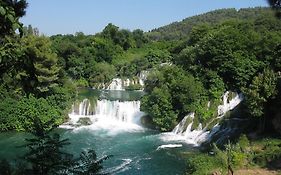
(91, 16)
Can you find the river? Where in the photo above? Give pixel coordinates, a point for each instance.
(115, 130)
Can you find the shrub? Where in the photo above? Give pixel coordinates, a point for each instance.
(204, 164)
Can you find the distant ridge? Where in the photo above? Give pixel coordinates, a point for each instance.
(180, 30)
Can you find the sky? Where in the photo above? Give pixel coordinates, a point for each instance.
(91, 16)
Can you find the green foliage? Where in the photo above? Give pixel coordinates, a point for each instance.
(8, 119)
(124, 38)
(227, 50)
(238, 55)
(62, 98)
(20, 114)
(262, 88)
(30, 108)
(221, 160)
(40, 71)
(105, 50)
(139, 38)
(46, 154)
(11, 53)
(185, 93)
(156, 57)
(102, 73)
(204, 164)
(88, 163)
(179, 30)
(10, 12)
(236, 155)
(158, 106)
(82, 83)
(214, 84)
(266, 151)
(133, 87)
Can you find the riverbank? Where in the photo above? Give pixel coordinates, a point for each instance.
(243, 156)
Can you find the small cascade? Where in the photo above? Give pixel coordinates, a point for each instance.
(84, 107)
(199, 135)
(181, 127)
(121, 84)
(142, 77)
(184, 130)
(229, 105)
(128, 111)
(106, 112)
(116, 84)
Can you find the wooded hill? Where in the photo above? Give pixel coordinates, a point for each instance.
(181, 30)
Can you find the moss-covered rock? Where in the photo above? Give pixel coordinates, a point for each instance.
(85, 121)
(147, 122)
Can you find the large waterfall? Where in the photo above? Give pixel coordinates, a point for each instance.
(183, 130)
(105, 114)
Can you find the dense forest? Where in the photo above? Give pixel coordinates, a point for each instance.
(191, 64)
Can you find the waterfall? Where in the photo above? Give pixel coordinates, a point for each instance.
(229, 105)
(142, 77)
(181, 127)
(199, 135)
(84, 108)
(121, 84)
(106, 112)
(116, 84)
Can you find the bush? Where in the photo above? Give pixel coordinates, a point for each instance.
(204, 164)
(268, 151)
(82, 83)
(29, 108)
(8, 119)
(19, 115)
(158, 106)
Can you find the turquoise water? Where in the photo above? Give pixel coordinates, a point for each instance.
(110, 95)
(135, 149)
(134, 152)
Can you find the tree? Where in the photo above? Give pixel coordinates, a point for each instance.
(102, 73)
(46, 154)
(105, 50)
(40, 69)
(10, 12)
(88, 163)
(158, 106)
(156, 57)
(110, 31)
(276, 5)
(262, 88)
(226, 49)
(139, 38)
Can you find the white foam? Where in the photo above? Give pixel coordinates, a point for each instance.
(169, 146)
(115, 116)
(120, 168)
(229, 105)
(121, 84)
(183, 131)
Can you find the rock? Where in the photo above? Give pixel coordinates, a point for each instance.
(85, 121)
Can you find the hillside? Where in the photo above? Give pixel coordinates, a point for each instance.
(179, 30)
